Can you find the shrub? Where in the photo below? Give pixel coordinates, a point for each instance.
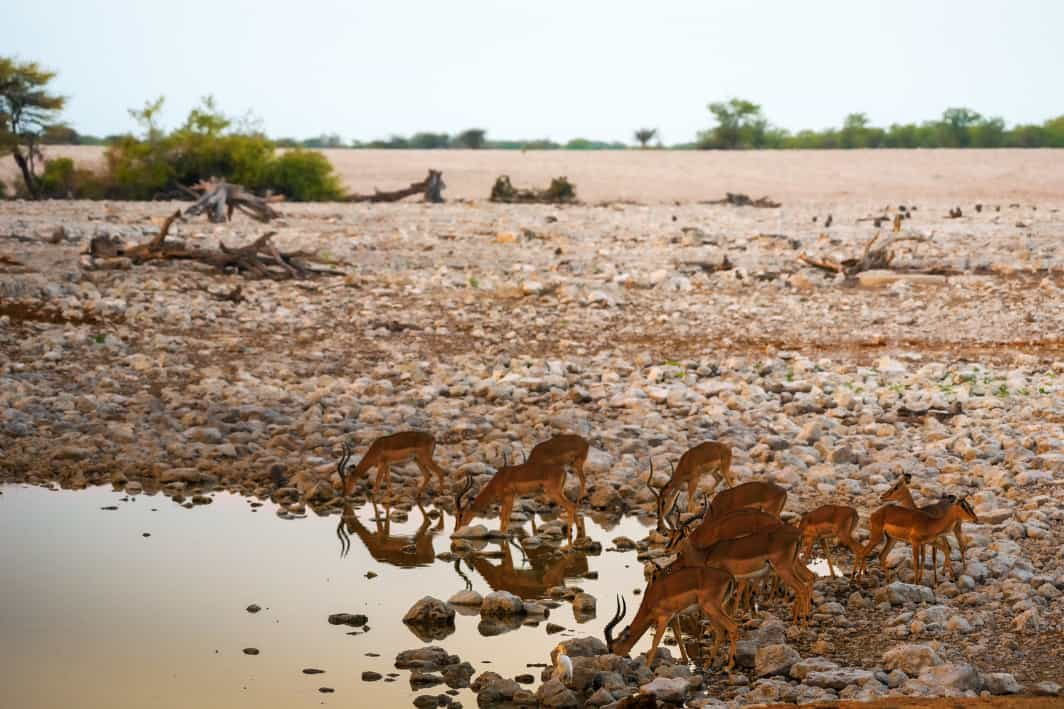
(303, 176)
(62, 179)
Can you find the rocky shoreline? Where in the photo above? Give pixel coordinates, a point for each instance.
(494, 327)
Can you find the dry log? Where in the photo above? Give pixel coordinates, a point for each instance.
(738, 199)
(220, 198)
(259, 259)
(874, 257)
(560, 191)
(431, 187)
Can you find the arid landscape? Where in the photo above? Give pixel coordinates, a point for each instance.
(164, 402)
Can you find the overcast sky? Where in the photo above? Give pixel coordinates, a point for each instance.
(542, 68)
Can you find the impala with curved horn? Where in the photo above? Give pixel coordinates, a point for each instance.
(395, 448)
(667, 595)
(510, 481)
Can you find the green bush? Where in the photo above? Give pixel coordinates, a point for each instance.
(303, 176)
(63, 180)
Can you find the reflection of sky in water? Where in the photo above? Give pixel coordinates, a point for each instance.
(92, 614)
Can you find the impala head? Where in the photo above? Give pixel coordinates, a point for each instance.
(895, 493)
(967, 513)
(463, 515)
(682, 530)
(621, 639)
(341, 470)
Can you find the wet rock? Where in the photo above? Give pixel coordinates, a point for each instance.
(500, 603)
(775, 660)
(251, 651)
(466, 598)
(426, 701)
(420, 679)
(911, 658)
(429, 611)
(579, 647)
(553, 693)
(584, 604)
(425, 658)
(253, 608)
(670, 691)
(352, 619)
(313, 671)
(371, 676)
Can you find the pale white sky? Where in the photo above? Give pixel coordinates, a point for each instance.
(543, 68)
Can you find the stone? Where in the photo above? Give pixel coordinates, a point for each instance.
(352, 619)
(801, 668)
(911, 658)
(429, 611)
(584, 603)
(371, 676)
(670, 691)
(426, 658)
(553, 693)
(579, 647)
(961, 677)
(838, 679)
(466, 598)
(1001, 683)
(899, 593)
(775, 660)
(253, 608)
(501, 603)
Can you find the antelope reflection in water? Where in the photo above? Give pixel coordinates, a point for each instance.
(402, 550)
(547, 568)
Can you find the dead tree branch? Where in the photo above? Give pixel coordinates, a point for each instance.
(738, 199)
(259, 259)
(560, 191)
(220, 198)
(873, 257)
(431, 187)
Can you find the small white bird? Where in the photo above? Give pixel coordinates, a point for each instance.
(563, 668)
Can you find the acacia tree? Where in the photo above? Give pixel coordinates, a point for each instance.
(739, 124)
(473, 138)
(27, 111)
(645, 135)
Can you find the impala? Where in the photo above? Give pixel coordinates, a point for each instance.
(914, 526)
(564, 449)
(711, 456)
(396, 448)
(899, 493)
(509, 482)
(547, 571)
(667, 595)
(826, 521)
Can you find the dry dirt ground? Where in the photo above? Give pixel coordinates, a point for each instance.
(645, 327)
(821, 178)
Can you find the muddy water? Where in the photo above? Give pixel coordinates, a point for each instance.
(94, 614)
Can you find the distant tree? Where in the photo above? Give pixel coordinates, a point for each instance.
(740, 124)
(325, 140)
(60, 135)
(27, 111)
(956, 126)
(472, 138)
(645, 135)
(429, 141)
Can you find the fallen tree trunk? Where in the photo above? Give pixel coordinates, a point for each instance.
(431, 187)
(738, 199)
(259, 259)
(560, 191)
(220, 198)
(874, 258)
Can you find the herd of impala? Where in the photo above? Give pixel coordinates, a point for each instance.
(737, 538)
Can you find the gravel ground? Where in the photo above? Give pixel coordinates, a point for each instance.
(645, 328)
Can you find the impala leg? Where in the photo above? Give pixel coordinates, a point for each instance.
(556, 493)
(504, 513)
(382, 477)
(934, 562)
(679, 638)
(791, 579)
(918, 562)
(578, 468)
(962, 543)
(722, 625)
(659, 631)
(827, 555)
